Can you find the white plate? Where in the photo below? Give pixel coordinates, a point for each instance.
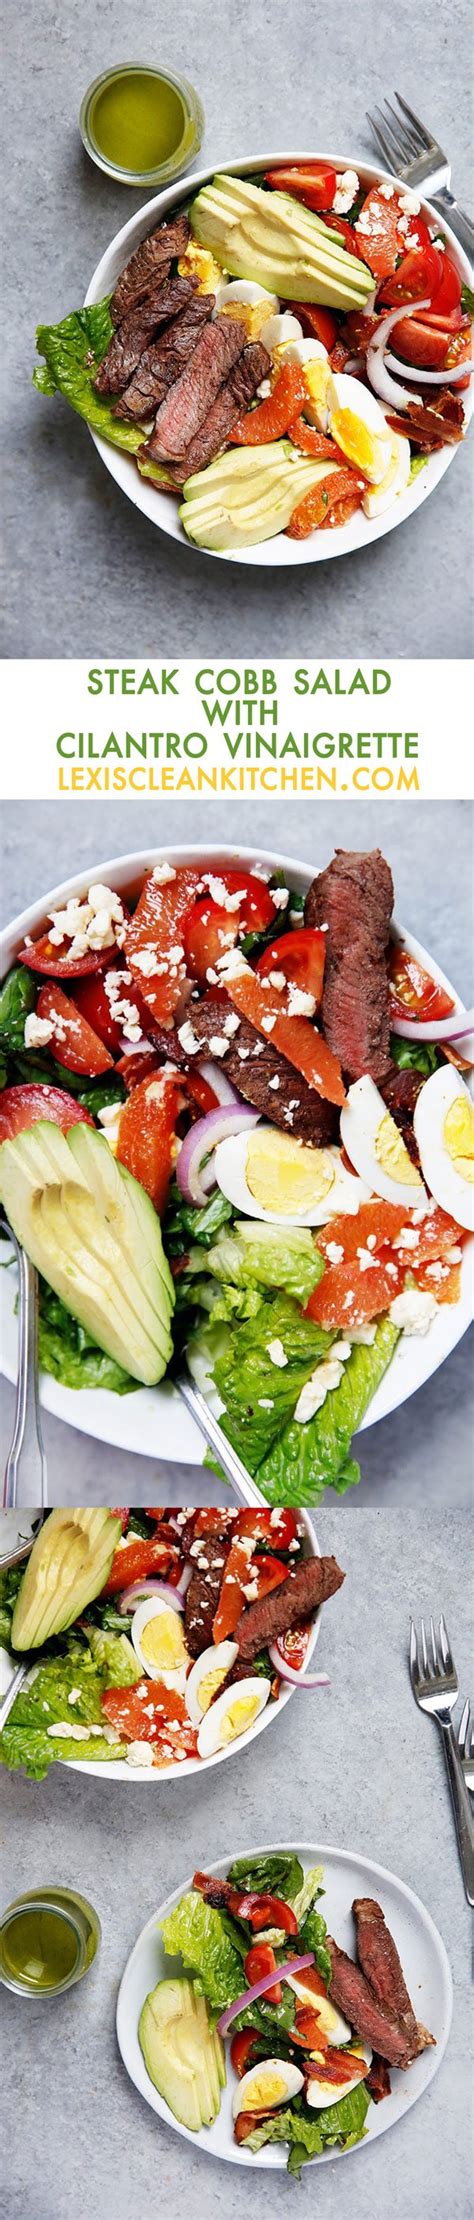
(425, 1966)
(154, 1421)
(119, 1771)
(161, 508)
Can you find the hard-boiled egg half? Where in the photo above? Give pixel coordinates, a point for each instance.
(319, 2092)
(381, 495)
(206, 1678)
(376, 1147)
(334, 2028)
(444, 1130)
(241, 298)
(265, 2086)
(355, 420)
(268, 1175)
(314, 360)
(158, 1639)
(232, 1714)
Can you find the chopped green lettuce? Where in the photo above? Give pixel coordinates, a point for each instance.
(260, 1396)
(114, 1657)
(45, 1702)
(309, 2133)
(304, 1460)
(185, 1223)
(72, 352)
(256, 1254)
(414, 1055)
(277, 1872)
(312, 1936)
(10, 1582)
(17, 999)
(196, 1933)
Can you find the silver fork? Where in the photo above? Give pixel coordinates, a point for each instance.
(26, 1460)
(436, 1688)
(465, 1742)
(417, 159)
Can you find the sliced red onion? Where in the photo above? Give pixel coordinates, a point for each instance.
(429, 377)
(182, 1584)
(217, 1079)
(452, 1028)
(395, 396)
(202, 1140)
(249, 1996)
(141, 1588)
(289, 1672)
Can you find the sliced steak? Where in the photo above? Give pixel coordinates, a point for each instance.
(308, 1585)
(151, 261)
(161, 363)
(354, 900)
(400, 1092)
(378, 1956)
(208, 1558)
(129, 339)
(188, 403)
(351, 1992)
(254, 365)
(254, 1067)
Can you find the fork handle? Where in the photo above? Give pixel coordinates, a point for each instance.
(460, 222)
(26, 1462)
(460, 1803)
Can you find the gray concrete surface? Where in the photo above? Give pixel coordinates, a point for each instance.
(369, 1776)
(84, 570)
(422, 1454)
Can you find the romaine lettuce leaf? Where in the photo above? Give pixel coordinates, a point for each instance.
(260, 1255)
(66, 1350)
(196, 1933)
(310, 2133)
(276, 1872)
(44, 1702)
(304, 1460)
(259, 1396)
(114, 1657)
(312, 1936)
(72, 352)
(17, 998)
(10, 1582)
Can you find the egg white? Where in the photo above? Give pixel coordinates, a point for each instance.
(361, 1118)
(277, 2069)
(396, 478)
(321, 2093)
(334, 2028)
(454, 1193)
(218, 1659)
(348, 405)
(346, 1193)
(211, 1737)
(280, 328)
(154, 1608)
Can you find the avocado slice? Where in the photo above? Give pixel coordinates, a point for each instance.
(94, 1235)
(69, 1564)
(247, 496)
(184, 2056)
(278, 243)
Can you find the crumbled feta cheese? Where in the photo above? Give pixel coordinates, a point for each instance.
(407, 1239)
(413, 1311)
(218, 1044)
(409, 203)
(334, 1252)
(300, 1004)
(145, 961)
(403, 224)
(453, 1256)
(313, 1395)
(188, 1039)
(140, 1753)
(276, 979)
(231, 1024)
(265, 1403)
(366, 1262)
(267, 1026)
(243, 1054)
(277, 1353)
(279, 896)
(74, 1733)
(347, 186)
(274, 1084)
(232, 963)
(74, 1695)
(162, 873)
(386, 192)
(364, 1334)
(340, 1350)
(38, 1031)
(175, 955)
(219, 892)
(212, 976)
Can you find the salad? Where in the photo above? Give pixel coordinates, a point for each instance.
(314, 2034)
(157, 1637)
(235, 1123)
(290, 349)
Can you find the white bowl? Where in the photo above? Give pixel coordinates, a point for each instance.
(162, 508)
(154, 1421)
(426, 1968)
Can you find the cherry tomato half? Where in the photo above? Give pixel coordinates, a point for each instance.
(22, 1107)
(73, 1041)
(414, 991)
(307, 181)
(417, 277)
(44, 957)
(259, 1961)
(301, 956)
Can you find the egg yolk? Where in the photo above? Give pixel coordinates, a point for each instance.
(162, 1641)
(240, 1715)
(360, 445)
(285, 1178)
(392, 1155)
(209, 1685)
(199, 262)
(458, 1136)
(266, 2089)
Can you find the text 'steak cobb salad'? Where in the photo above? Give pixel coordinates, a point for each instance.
(158, 1638)
(237, 1121)
(291, 348)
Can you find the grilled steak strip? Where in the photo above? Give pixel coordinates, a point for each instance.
(354, 899)
(308, 1584)
(151, 261)
(253, 1065)
(188, 403)
(202, 1596)
(254, 365)
(161, 363)
(351, 1992)
(378, 1956)
(130, 338)
(400, 1092)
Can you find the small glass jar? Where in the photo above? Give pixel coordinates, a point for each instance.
(116, 99)
(48, 1940)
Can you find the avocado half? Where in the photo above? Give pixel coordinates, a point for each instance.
(184, 2056)
(69, 1565)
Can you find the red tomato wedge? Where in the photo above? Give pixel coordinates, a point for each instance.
(318, 323)
(311, 182)
(92, 1000)
(382, 244)
(146, 1134)
(436, 1234)
(22, 1107)
(295, 1037)
(293, 1645)
(300, 955)
(259, 1961)
(449, 292)
(241, 2049)
(414, 991)
(44, 957)
(207, 933)
(157, 925)
(375, 1224)
(232, 1598)
(424, 345)
(349, 1296)
(138, 1559)
(73, 1041)
(418, 276)
(349, 236)
(339, 2066)
(279, 1527)
(169, 1728)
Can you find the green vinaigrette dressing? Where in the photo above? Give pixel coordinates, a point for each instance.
(40, 1949)
(137, 120)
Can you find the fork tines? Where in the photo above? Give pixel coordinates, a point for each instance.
(441, 1663)
(401, 137)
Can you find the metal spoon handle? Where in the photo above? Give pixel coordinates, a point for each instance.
(245, 1488)
(26, 1462)
(13, 1690)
